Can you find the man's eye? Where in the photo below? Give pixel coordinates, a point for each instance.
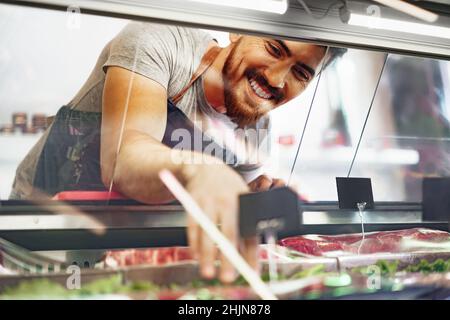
(274, 50)
(301, 75)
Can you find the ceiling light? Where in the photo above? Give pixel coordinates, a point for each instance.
(410, 9)
(273, 6)
(399, 26)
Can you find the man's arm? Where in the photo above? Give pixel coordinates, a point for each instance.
(135, 111)
(142, 156)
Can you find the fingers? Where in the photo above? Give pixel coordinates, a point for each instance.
(253, 185)
(229, 227)
(217, 194)
(193, 234)
(207, 247)
(250, 251)
(264, 183)
(207, 257)
(278, 183)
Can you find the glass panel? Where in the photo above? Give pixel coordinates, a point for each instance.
(49, 60)
(336, 120)
(408, 133)
(45, 57)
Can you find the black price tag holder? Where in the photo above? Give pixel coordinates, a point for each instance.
(354, 191)
(276, 210)
(268, 213)
(436, 199)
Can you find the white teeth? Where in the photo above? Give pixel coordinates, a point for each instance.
(258, 90)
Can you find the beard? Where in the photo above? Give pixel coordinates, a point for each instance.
(242, 116)
(240, 111)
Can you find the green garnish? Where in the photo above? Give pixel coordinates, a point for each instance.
(438, 266)
(341, 280)
(109, 285)
(46, 289)
(41, 288)
(389, 268)
(313, 271)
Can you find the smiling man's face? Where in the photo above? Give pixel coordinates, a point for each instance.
(261, 74)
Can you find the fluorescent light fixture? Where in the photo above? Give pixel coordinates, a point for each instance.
(274, 6)
(410, 9)
(399, 26)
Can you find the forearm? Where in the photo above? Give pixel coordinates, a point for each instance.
(139, 162)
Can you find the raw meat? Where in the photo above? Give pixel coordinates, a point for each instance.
(153, 256)
(374, 242)
(163, 256)
(316, 245)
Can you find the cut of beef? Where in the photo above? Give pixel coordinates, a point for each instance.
(161, 256)
(374, 242)
(153, 256)
(317, 245)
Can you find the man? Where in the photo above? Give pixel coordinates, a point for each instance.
(149, 81)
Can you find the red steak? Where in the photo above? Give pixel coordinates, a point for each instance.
(155, 256)
(317, 245)
(152, 256)
(374, 242)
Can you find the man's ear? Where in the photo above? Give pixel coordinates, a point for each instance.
(234, 37)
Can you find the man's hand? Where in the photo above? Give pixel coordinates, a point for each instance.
(216, 188)
(264, 183)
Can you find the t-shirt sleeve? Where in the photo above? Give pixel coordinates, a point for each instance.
(145, 48)
(250, 173)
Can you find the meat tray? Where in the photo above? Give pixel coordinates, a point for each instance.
(186, 271)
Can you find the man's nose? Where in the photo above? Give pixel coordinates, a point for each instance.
(276, 74)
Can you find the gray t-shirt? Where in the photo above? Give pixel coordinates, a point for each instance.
(166, 54)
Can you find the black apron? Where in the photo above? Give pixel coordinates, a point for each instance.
(70, 159)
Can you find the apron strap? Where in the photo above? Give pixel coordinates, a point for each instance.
(205, 63)
(49, 121)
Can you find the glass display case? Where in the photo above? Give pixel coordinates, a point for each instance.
(375, 114)
(379, 109)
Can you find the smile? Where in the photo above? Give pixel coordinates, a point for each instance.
(261, 91)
